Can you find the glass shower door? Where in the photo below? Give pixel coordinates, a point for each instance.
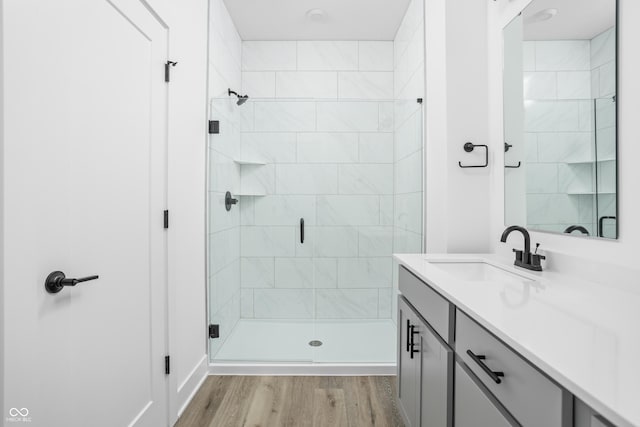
(324, 194)
(261, 285)
(605, 167)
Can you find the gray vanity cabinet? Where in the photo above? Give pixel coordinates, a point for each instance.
(531, 397)
(436, 386)
(584, 416)
(453, 371)
(424, 372)
(408, 367)
(472, 406)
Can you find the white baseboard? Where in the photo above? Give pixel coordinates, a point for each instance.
(313, 369)
(191, 384)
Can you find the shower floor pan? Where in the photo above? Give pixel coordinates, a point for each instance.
(355, 347)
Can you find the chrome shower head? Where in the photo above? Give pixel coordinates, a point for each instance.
(241, 98)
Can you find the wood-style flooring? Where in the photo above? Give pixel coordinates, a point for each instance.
(245, 401)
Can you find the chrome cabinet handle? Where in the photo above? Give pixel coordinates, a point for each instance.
(57, 280)
(478, 358)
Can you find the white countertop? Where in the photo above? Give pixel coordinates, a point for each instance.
(584, 335)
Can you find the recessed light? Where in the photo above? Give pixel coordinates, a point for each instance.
(316, 15)
(543, 15)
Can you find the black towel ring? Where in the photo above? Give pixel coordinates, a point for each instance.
(468, 147)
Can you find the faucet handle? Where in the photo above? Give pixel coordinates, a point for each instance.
(535, 259)
(518, 254)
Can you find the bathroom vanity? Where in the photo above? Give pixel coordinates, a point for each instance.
(482, 343)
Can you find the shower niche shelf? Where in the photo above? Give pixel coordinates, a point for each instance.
(587, 162)
(250, 193)
(588, 193)
(255, 162)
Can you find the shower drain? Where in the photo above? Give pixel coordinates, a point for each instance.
(315, 343)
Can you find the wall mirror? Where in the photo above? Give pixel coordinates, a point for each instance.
(560, 109)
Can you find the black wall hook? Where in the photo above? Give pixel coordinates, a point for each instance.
(468, 147)
(167, 70)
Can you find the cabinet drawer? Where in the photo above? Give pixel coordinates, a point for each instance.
(527, 394)
(432, 307)
(472, 407)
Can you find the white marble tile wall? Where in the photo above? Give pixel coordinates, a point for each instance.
(561, 80)
(331, 163)
(224, 174)
(318, 69)
(322, 117)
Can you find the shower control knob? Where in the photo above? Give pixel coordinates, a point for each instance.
(229, 201)
(57, 280)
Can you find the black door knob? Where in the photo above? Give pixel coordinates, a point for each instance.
(57, 280)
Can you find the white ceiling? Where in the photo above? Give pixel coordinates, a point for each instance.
(345, 19)
(576, 19)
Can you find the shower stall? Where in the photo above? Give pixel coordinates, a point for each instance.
(315, 178)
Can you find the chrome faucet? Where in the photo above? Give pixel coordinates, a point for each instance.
(524, 258)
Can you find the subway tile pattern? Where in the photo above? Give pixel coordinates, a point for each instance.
(331, 121)
(341, 182)
(355, 70)
(322, 121)
(566, 85)
(327, 125)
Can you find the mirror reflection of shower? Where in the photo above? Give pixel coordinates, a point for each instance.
(241, 98)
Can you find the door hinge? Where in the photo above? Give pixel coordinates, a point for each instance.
(167, 70)
(167, 365)
(214, 331)
(214, 127)
(166, 219)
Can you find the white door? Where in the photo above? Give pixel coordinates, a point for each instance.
(84, 192)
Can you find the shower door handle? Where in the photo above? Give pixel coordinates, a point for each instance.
(301, 230)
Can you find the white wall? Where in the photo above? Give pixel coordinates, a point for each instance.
(187, 20)
(623, 252)
(457, 200)
(2, 318)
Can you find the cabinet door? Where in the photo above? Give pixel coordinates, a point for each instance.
(436, 362)
(408, 367)
(584, 416)
(472, 406)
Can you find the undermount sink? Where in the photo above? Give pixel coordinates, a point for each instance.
(478, 271)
